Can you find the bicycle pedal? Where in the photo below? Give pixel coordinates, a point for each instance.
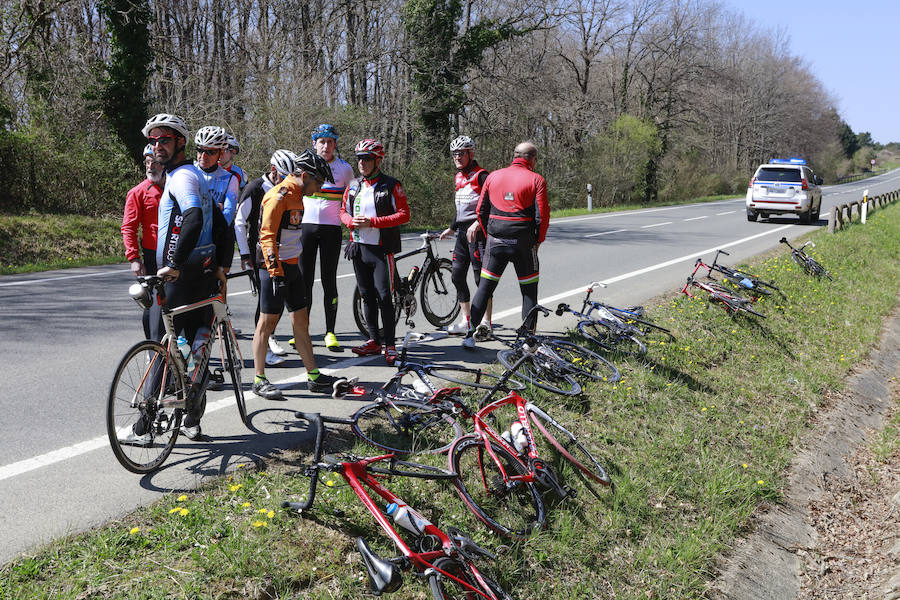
(217, 376)
(341, 387)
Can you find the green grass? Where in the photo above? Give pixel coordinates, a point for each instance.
(697, 435)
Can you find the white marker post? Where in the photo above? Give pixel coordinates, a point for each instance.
(865, 207)
(590, 200)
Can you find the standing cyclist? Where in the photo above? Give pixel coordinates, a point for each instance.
(514, 213)
(470, 178)
(141, 207)
(227, 161)
(322, 230)
(374, 208)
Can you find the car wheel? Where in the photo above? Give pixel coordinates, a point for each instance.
(806, 216)
(751, 215)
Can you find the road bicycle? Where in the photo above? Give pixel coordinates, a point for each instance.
(728, 299)
(447, 559)
(431, 279)
(154, 385)
(615, 329)
(400, 418)
(806, 262)
(742, 279)
(556, 364)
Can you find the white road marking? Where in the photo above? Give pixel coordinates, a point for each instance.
(697, 218)
(590, 235)
(656, 225)
(726, 213)
(61, 277)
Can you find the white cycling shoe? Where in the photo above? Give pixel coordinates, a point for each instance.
(273, 359)
(275, 348)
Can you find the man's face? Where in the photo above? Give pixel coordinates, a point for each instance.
(311, 185)
(367, 164)
(208, 157)
(154, 169)
(227, 158)
(163, 141)
(325, 148)
(461, 158)
(274, 175)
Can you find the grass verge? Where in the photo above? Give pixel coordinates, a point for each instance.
(697, 435)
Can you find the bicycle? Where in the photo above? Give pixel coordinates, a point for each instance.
(446, 559)
(743, 279)
(731, 302)
(806, 262)
(152, 384)
(556, 363)
(437, 294)
(612, 328)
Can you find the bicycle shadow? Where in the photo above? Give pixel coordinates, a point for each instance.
(760, 327)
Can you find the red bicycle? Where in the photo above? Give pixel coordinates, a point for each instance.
(446, 559)
(730, 301)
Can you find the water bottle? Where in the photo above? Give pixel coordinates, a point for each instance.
(406, 519)
(421, 387)
(185, 350)
(747, 283)
(519, 440)
(413, 275)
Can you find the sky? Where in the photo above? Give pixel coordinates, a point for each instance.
(851, 46)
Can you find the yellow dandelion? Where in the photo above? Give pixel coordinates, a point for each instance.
(329, 483)
(240, 466)
(263, 511)
(134, 530)
(181, 498)
(744, 465)
(760, 482)
(260, 524)
(703, 409)
(246, 505)
(183, 512)
(270, 514)
(175, 510)
(235, 487)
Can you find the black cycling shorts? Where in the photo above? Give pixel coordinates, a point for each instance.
(292, 296)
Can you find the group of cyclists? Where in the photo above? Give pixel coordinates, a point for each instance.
(191, 214)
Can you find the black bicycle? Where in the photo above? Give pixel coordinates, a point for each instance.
(431, 279)
(743, 279)
(806, 262)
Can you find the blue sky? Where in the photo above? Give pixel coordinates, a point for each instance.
(851, 46)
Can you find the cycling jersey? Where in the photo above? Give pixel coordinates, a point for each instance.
(180, 242)
(280, 228)
(383, 201)
(324, 207)
(141, 210)
(246, 220)
(222, 187)
(468, 190)
(239, 174)
(510, 201)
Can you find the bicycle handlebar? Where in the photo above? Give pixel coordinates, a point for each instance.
(596, 284)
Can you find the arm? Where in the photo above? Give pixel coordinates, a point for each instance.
(346, 217)
(399, 217)
(191, 227)
(131, 220)
(229, 208)
(272, 210)
(245, 204)
(483, 211)
(543, 207)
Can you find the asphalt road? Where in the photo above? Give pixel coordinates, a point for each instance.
(62, 334)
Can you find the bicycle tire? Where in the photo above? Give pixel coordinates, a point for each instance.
(800, 259)
(514, 510)
(605, 336)
(132, 399)
(402, 468)
(737, 305)
(359, 314)
(577, 451)
(233, 361)
(470, 377)
(652, 331)
(438, 296)
(534, 372)
(441, 586)
(584, 362)
(816, 269)
(406, 427)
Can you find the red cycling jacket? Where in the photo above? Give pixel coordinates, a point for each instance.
(510, 201)
(141, 208)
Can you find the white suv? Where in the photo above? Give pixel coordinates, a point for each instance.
(784, 186)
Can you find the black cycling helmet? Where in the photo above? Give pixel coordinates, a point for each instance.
(315, 165)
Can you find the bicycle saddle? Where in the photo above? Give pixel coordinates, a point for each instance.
(384, 577)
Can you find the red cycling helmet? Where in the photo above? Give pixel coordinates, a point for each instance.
(369, 147)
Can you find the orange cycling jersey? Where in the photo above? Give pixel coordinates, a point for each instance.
(280, 226)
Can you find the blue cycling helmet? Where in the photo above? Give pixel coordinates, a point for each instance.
(325, 130)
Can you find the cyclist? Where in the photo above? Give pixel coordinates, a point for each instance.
(374, 208)
(322, 230)
(192, 243)
(514, 213)
(226, 160)
(246, 227)
(470, 178)
(281, 283)
(141, 206)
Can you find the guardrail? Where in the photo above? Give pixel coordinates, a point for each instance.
(842, 215)
(858, 176)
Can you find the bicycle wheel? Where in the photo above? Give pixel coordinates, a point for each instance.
(737, 305)
(471, 377)
(359, 314)
(540, 372)
(233, 361)
(800, 259)
(402, 468)
(582, 361)
(511, 508)
(816, 269)
(438, 295)
(445, 588)
(406, 427)
(141, 424)
(607, 337)
(579, 452)
(653, 332)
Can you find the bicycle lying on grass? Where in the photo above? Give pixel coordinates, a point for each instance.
(742, 279)
(729, 300)
(152, 389)
(447, 559)
(806, 262)
(615, 329)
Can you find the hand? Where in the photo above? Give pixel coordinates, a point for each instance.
(361, 221)
(169, 273)
(472, 231)
(223, 282)
(137, 268)
(278, 284)
(245, 262)
(446, 233)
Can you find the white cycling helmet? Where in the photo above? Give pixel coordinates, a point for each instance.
(233, 143)
(148, 150)
(284, 161)
(463, 142)
(211, 137)
(166, 120)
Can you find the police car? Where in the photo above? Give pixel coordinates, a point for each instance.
(784, 186)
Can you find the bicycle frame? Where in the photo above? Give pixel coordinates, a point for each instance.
(715, 293)
(431, 256)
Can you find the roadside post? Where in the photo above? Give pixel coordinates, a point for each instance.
(590, 200)
(865, 207)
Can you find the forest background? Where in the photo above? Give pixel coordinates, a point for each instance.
(647, 100)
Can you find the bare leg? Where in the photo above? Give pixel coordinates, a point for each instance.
(300, 322)
(264, 328)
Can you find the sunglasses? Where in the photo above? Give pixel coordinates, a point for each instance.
(163, 139)
(459, 153)
(208, 151)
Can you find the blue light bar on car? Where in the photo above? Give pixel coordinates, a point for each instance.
(788, 161)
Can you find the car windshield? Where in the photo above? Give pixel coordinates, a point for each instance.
(775, 174)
